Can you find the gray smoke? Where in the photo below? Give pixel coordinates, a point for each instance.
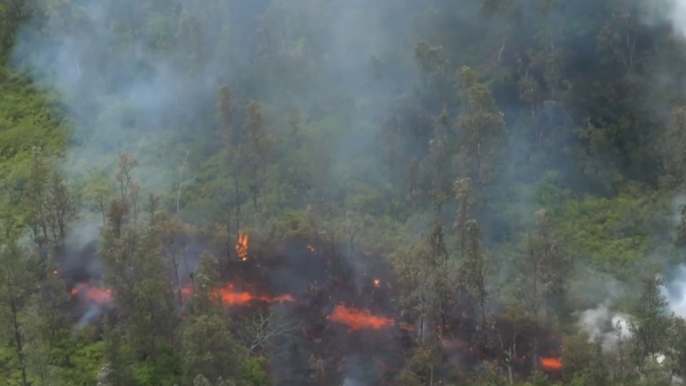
(605, 324)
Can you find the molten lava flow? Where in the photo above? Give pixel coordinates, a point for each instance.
(283, 298)
(358, 320)
(93, 294)
(242, 246)
(551, 363)
(407, 327)
(229, 296)
(187, 291)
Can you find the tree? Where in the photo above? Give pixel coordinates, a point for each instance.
(674, 159)
(208, 346)
(16, 287)
(463, 189)
(474, 270)
(262, 329)
(258, 148)
(481, 133)
(116, 370)
(37, 198)
(650, 326)
(548, 267)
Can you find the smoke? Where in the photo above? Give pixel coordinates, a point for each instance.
(604, 324)
(674, 290)
(671, 11)
(360, 371)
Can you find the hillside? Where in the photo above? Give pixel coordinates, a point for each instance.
(307, 192)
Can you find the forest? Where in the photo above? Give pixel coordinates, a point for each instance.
(354, 193)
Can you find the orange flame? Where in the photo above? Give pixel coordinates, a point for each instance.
(229, 296)
(551, 363)
(358, 320)
(283, 298)
(242, 246)
(407, 327)
(93, 294)
(377, 283)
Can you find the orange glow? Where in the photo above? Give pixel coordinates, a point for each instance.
(283, 298)
(242, 246)
(187, 291)
(377, 283)
(551, 363)
(358, 320)
(93, 294)
(229, 296)
(407, 327)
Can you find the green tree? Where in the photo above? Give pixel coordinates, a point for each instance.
(16, 287)
(651, 323)
(481, 134)
(208, 346)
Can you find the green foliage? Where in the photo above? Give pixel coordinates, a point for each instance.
(557, 118)
(609, 233)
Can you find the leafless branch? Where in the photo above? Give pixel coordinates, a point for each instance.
(262, 328)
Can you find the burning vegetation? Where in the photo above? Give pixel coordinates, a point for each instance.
(339, 310)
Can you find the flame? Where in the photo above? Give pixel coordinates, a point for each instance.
(407, 327)
(377, 283)
(551, 363)
(358, 320)
(283, 298)
(229, 296)
(93, 293)
(242, 246)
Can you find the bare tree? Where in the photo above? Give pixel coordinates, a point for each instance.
(260, 330)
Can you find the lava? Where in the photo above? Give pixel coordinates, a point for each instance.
(358, 320)
(551, 363)
(93, 293)
(229, 296)
(242, 246)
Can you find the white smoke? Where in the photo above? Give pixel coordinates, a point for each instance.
(610, 326)
(674, 291)
(673, 11)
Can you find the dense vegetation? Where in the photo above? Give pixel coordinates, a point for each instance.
(508, 175)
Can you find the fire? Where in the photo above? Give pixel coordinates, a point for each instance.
(358, 320)
(377, 283)
(283, 298)
(93, 294)
(229, 296)
(242, 246)
(551, 363)
(407, 327)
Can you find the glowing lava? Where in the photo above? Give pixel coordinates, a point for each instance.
(230, 296)
(551, 363)
(93, 294)
(242, 246)
(358, 320)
